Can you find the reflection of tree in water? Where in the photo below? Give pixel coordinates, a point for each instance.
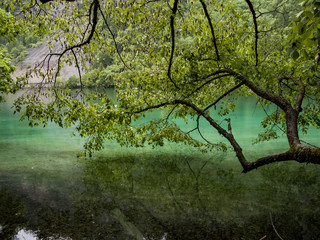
(178, 197)
(11, 214)
(190, 198)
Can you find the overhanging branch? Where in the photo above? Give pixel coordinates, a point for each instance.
(299, 153)
(224, 95)
(204, 6)
(94, 8)
(174, 12)
(113, 38)
(253, 13)
(209, 81)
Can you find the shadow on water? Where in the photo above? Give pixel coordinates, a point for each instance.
(147, 195)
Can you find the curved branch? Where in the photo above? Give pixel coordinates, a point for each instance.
(301, 154)
(94, 7)
(224, 95)
(78, 67)
(301, 91)
(298, 152)
(204, 6)
(279, 101)
(174, 11)
(209, 81)
(229, 136)
(272, 97)
(300, 95)
(274, 228)
(199, 131)
(113, 38)
(255, 28)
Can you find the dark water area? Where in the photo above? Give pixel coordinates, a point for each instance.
(170, 192)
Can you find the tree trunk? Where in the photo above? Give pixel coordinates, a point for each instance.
(292, 128)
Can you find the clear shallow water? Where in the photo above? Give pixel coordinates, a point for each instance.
(173, 192)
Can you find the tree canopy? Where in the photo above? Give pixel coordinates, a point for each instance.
(9, 29)
(184, 58)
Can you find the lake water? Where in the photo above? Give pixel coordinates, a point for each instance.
(170, 192)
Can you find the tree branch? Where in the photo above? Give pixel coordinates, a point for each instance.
(199, 131)
(204, 6)
(78, 67)
(301, 91)
(301, 154)
(255, 28)
(174, 11)
(213, 123)
(94, 8)
(300, 95)
(209, 81)
(46, 1)
(224, 95)
(114, 38)
(279, 101)
(297, 152)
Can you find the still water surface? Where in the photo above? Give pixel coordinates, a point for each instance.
(172, 192)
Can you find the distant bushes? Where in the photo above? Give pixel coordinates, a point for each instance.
(104, 78)
(93, 79)
(71, 82)
(60, 82)
(102, 74)
(17, 50)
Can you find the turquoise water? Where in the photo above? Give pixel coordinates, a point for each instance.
(170, 192)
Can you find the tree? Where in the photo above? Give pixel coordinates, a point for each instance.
(8, 30)
(183, 58)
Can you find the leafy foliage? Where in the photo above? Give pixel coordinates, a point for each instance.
(9, 29)
(305, 37)
(183, 58)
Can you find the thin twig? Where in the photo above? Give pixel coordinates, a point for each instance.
(113, 38)
(78, 67)
(224, 95)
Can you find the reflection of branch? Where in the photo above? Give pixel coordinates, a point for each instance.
(211, 28)
(172, 194)
(196, 177)
(274, 228)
